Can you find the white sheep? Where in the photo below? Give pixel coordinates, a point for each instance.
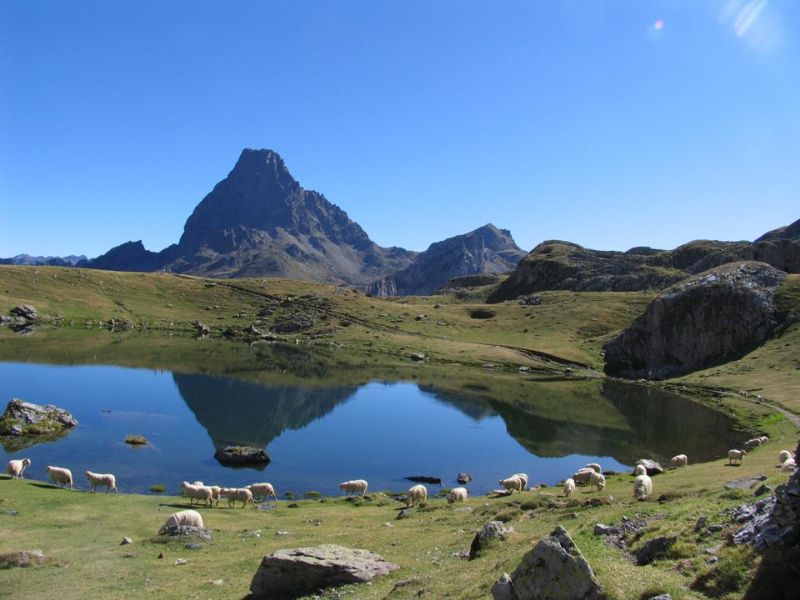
(642, 487)
(788, 466)
(598, 481)
(524, 477)
(569, 487)
(734, 455)
(783, 456)
(184, 518)
(244, 495)
(583, 475)
(752, 443)
(679, 460)
(416, 494)
(106, 479)
(60, 476)
(639, 470)
(512, 484)
(197, 492)
(17, 467)
(458, 494)
(764, 439)
(262, 490)
(594, 467)
(353, 486)
(216, 492)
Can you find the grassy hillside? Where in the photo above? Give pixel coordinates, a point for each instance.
(80, 533)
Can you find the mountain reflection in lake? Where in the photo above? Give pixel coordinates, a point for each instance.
(318, 436)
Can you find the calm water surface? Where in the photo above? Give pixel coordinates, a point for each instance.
(318, 436)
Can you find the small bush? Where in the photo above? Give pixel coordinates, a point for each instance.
(312, 494)
(136, 440)
(158, 488)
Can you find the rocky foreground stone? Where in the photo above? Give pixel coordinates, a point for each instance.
(297, 572)
(25, 418)
(713, 317)
(554, 570)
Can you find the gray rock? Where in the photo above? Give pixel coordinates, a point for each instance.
(464, 478)
(712, 317)
(292, 573)
(653, 549)
(25, 418)
(493, 530)
(418, 356)
(26, 311)
(763, 489)
(661, 597)
(701, 522)
(24, 558)
(125, 541)
(652, 467)
(241, 455)
(601, 529)
(186, 530)
(405, 513)
(715, 528)
(745, 483)
(553, 570)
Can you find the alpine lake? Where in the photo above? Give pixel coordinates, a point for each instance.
(322, 425)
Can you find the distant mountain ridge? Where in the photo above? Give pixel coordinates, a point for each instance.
(49, 261)
(485, 250)
(559, 265)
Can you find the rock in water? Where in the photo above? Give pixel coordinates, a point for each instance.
(716, 316)
(242, 455)
(292, 573)
(464, 478)
(33, 420)
(554, 570)
(493, 530)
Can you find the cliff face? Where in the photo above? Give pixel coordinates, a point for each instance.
(712, 317)
(485, 250)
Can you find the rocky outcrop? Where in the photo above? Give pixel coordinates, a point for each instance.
(710, 318)
(491, 532)
(25, 419)
(485, 250)
(468, 282)
(554, 569)
(782, 527)
(130, 256)
(286, 574)
(558, 265)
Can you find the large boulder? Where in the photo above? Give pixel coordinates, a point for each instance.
(489, 533)
(21, 419)
(26, 311)
(242, 455)
(554, 570)
(292, 573)
(716, 316)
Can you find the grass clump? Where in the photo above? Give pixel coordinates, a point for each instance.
(136, 440)
(158, 488)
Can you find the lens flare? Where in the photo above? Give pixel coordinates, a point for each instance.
(747, 16)
(658, 25)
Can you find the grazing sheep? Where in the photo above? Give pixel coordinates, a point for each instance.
(184, 518)
(783, 456)
(752, 443)
(680, 460)
(17, 467)
(524, 477)
(583, 475)
(60, 476)
(244, 495)
(262, 490)
(594, 467)
(569, 487)
(598, 481)
(416, 493)
(353, 486)
(197, 492)
(642, 487)
(764, 439)
(106, 479)
(512, 484)
(216, 492)
(788, 466)
(458, 494)
(734, 455)
(639, 470)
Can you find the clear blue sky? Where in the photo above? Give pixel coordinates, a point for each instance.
(611, 124)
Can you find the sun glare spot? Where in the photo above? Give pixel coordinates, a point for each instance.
(658, 25)
(747, 16)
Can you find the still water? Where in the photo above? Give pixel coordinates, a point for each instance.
(320, 435)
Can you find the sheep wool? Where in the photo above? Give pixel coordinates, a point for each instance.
(353, 486)
(184, 518)
(416, 494)
(734, 455)
(17, 467)
(512, 484)
(598, 481)
(569, 487)
(458, 494)
(262, 490)
(642, 487)
(783, 456)
(680, 460)
(60, 476)
(106, 479)
(594, 467)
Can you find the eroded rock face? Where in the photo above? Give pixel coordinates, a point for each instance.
(554, 570)
(782, 527)
(712, 317)
(292, 573)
